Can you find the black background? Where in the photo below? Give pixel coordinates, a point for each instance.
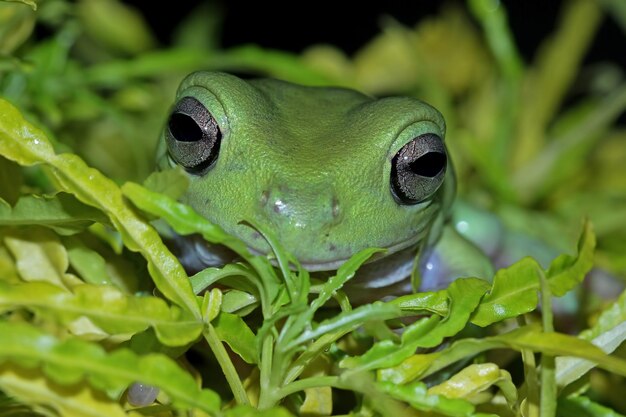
(348, 25)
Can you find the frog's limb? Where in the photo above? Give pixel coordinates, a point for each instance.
(452, 256)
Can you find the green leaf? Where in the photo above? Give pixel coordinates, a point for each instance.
(386, 353)
(106, 307)
(11, 181)
(583, 407)
(68, 362)
(249, 411)
(172, 182)
(514, 292)
(240, 276)
(569, 369)
(89, 264)
(211, 304)
(32, 388)
(185, 220)
(297, 323)
(528, 337)
(347, 320)
(614, 315)
(416, 394)
(566, 271)
(239, 302)
(61, 212)
(297, 283)
(22, 142)
(231, 329)
(475, 379)
(31, 3)
(464, 293)
(434, 302)
(343, 275)
(39, 255)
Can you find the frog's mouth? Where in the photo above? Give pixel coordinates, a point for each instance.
(334, 264)
(195, 254)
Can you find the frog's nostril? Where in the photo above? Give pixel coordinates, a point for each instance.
(279, 206)
(265, 195)
(335, 207)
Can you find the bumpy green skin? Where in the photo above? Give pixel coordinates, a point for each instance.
(312, 165)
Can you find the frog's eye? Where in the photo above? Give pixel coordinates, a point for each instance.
(418, 169)
(193, 136)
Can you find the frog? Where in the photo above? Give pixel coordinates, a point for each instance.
(331, 171)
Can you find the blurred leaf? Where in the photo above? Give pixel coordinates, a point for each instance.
(618, 9)
(565, 154)
(200, 30)
(584, 407)
(109, 371)
(16, 24)
(389, 63)
(277, 64)
(549, 79)
(449, 49)
(115, 25)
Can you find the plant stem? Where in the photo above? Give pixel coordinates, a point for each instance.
(312, 352)
(547, 402)
(530, 373)
(232, 377)
(313, 382)
(266, 395)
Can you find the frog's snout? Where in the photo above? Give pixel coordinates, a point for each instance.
(313, 207)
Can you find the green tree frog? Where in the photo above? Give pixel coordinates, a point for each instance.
(330, 171)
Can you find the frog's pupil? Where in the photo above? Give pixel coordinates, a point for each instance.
(184, 128)
(429, 164)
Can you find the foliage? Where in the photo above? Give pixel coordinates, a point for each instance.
(92, 301)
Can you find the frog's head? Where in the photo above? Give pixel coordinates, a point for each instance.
(330, 171)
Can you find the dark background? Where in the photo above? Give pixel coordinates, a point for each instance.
(348, 25)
